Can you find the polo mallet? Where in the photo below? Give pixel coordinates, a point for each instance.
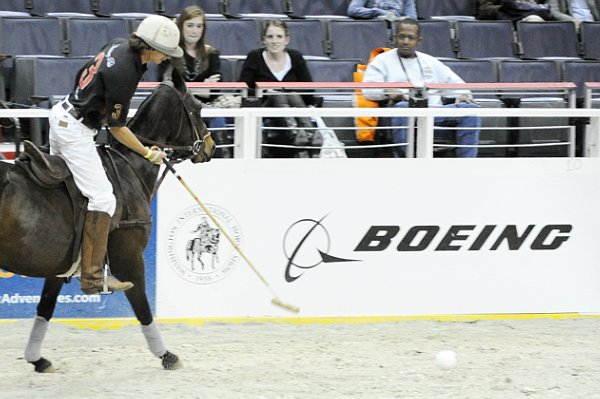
(275, 301)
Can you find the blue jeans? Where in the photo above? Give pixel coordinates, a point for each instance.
(463, 137)
(216, 122)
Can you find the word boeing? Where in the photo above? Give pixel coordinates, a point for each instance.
(419, 238)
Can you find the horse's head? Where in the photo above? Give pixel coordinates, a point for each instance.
(170, 118)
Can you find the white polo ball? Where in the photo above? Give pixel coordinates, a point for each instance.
(446, 359)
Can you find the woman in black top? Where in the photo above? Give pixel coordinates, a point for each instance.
(277, 63)
(201, 63)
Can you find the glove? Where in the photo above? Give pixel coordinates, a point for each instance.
(154, 155)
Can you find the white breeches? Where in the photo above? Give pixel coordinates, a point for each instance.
(74, 142)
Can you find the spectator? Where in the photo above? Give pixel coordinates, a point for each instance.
(574, 10)
(514, 10)
(276, 63)
(405, 64)
(383, 9)
(101, 97)
(201, 63)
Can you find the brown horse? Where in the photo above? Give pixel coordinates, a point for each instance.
(37, 234)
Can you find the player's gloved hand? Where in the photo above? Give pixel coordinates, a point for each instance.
(155, 155)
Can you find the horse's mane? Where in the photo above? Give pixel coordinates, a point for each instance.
(172, 80)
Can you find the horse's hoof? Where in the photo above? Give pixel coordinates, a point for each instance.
(171, 361)
(43, 366)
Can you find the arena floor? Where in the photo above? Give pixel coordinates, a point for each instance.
(541, 357)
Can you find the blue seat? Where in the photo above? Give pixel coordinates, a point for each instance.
(233, 36)
(106, 8)
(579, 72)
(45, 76)
(550, 39)
(17, 6)
(50, 77)
(29, 36)
(441, 8)
(248, 8)
(61, 7)
(356, 39)
(536, 71)
(228, 73)
(484, 71)
(174, 7)
(528, 71)
(332, 70)
(474, 71)
(86, 36)
(307, 36)
(437, 38)
(305, 8)
(590, 45)
(485, 39)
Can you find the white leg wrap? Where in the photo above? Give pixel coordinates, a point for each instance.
(33, 352)
(154, 340)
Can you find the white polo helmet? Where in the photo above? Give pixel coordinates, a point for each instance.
(161, 34)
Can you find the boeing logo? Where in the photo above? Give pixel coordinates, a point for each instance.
(307, 242)
(306, 245)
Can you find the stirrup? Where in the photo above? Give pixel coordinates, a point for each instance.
(105, 274)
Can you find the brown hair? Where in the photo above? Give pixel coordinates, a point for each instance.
(202, 48)
(277, 23)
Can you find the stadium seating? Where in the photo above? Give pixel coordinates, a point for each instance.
(550, 39)
(322, 9)
(461, 9)
(233, 36)
(174, 7)
(49, 77)
(45, 76)
(20, 6)
(579, 72)
(590, 45)
(85, 36)
(528, 71)
(28, 36)
(61, 7)
(251, 8)
(132, 8)
(437, 38)
(307, 36)
(484, 71)
(536, 71)
(228, 73)
(485, 39)
(332, 70)
(474, 71)
(356, 39)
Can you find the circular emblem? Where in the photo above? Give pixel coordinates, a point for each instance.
(197, 250)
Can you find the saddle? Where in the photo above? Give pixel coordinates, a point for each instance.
(50, 172)
(46, 170)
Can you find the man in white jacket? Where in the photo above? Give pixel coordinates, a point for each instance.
(405, 64)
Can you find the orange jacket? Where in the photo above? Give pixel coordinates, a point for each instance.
(364, 122)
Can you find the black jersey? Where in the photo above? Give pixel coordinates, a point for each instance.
(105, 85)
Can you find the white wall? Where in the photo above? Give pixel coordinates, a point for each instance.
(269, 206)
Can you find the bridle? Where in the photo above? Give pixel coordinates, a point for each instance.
(181, 152)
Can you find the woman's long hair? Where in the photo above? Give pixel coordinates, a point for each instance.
(201, 46)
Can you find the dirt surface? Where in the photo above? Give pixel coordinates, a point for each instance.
(543, 358)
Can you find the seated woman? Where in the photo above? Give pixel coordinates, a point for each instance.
(276, 63)
(200, 63)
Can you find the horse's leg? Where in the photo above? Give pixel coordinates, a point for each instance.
(45, 310)
(128, 262)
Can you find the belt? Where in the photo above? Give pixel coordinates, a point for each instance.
(71, 110)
